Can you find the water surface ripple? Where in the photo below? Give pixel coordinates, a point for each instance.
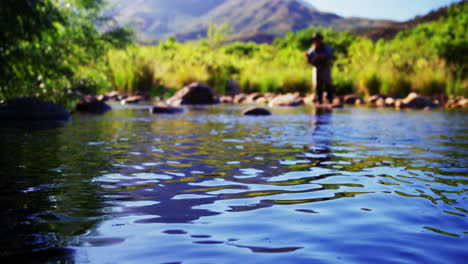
(358, 185)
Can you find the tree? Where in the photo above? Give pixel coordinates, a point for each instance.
(42, 43)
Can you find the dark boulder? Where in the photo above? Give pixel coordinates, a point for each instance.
(166, 109)
(90, 104)
(233, 88)
(413, 100)
(256, 111)
(26, 109)
(350, 99)
(194, 94)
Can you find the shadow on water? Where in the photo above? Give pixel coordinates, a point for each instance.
(43, 207)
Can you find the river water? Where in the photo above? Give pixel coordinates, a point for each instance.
(359, 185)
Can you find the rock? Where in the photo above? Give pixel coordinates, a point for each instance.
(463, 103)
(374, 98)
(389, 101)
(135, 99)
(112, 96)
(233, 88)
(252, 98)
(240, 98)
(287, 100)
(103, 97)
(194, 94)
(226, 99)
(270, 95)
(350, 99)
(359, 101)
(256, 111)
(166, 109)
(337, 103)
(380, 102)
(399, 104)
(309, 99)
(90, 104)
(262, 100)
(26, 109)
(413, 100)
(453, 104)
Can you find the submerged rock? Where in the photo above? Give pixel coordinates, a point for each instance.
(26, 109)
(166, 109)
(194, 94)
(91, 104)
(256, 111)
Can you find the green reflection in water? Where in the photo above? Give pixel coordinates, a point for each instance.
(441, 232)
(303, 201)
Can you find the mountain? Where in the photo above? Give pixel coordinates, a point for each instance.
(190, 19)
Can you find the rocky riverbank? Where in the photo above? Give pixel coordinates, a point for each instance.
(30, 109)
(200, 93)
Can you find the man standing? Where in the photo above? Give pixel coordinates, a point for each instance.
(320, 56)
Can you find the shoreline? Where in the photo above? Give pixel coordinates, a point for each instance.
(412, 101)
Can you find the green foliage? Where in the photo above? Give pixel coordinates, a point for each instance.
(339, 42)
(45, 43)
(49, 50)
(119, 37)
(218, 34)
(430, 59)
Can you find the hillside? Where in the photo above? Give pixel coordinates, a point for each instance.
(189, 19)
(390, 31)
(154, 19)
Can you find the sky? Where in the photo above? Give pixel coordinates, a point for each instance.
(399, 10)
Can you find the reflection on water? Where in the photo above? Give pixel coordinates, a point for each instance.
(212, 186)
